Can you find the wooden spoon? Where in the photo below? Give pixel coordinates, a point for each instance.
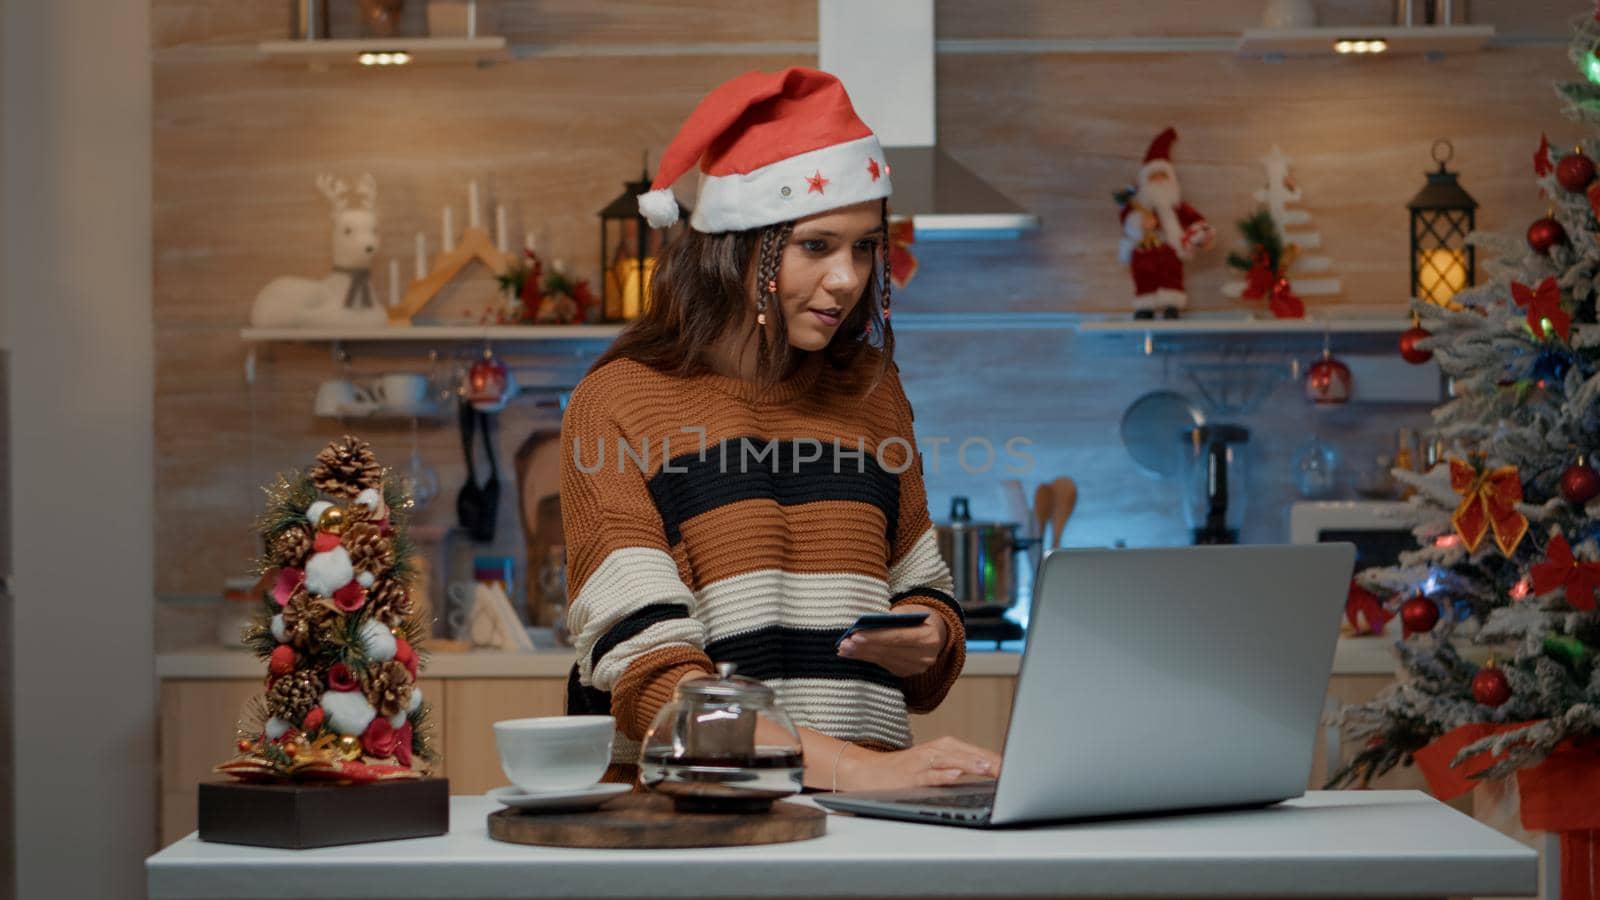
(1065, 492)
(1043, 503)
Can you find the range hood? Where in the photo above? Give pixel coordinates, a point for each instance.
(883, 51)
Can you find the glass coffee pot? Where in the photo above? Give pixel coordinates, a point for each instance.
(722, 745)
(1214, 507)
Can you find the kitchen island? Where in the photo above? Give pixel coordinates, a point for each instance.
(1326, 844)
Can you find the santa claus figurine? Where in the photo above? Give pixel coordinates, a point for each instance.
(1159, 232)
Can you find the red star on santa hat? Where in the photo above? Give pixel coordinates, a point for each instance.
(872, 168)
(817, 183)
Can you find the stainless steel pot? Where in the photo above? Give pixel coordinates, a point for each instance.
(982, 557)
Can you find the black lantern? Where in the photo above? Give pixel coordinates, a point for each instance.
(1442, 215)
(628, 248)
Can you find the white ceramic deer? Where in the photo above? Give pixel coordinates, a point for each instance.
(344, 296)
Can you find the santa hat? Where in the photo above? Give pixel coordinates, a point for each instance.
(772, 147)
(1159, 156)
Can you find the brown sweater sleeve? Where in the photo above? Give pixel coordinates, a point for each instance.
(925, 692)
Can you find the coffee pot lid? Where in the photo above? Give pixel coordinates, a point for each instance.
(727, 687)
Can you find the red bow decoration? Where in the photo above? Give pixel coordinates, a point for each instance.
(902, 265)
(1488, 500)
(1560, 568)
(1541, 158)
(1364, 611)
(1261, 281)
(1544, 302)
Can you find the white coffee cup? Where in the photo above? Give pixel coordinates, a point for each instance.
(341, 397)
(403, 390)
(554, 753)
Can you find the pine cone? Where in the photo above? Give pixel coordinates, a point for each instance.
(293, 695)
(309, 620)
(388, 687)
(346, 468)
(390, 601)
(369, 550)
(292, 547)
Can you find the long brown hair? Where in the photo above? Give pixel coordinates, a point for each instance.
(701, 288)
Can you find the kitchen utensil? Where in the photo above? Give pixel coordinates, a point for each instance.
(555, 753)
(982, 557)
(1065, 493)
(1216, 491)
(477, 505)
(1155, 430)
(1043, 502)
(722, 744)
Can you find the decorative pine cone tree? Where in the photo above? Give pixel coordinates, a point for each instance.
(336, 630)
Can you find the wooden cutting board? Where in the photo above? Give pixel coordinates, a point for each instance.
(648, 821)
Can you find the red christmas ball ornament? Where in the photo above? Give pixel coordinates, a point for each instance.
(489, 384)
(1328, 381)
(1580, 483)
(1575, 172)
(282, 660)
(1409, 351)
(1546, 233)
(244, 746)
(1490, 686)
(313, 720)
(1418, 615)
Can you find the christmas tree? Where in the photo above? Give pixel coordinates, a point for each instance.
(1507, 526)
(337, 630)
(1275, 264)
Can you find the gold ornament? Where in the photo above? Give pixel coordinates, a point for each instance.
(332, 520)
(350, 746)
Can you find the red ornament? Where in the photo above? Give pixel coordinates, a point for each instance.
(406, 656)
(340, 678)
(1541, 157)
(1490, 686)
(1418, 615)
(489, 384)
(816, 183)
(1593, 193)
(1328, 382)
(380, 738)
(1409, 351)
(1580, 483)
(290, 750)
(402, 745)
(282, 660)
(313, 720)
(1575, 172)
(244, 746)
(322, 543)
(350, 598)
(1546, 233)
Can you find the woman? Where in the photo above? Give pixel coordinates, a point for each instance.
(739, 477)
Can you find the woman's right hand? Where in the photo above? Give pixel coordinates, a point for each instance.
(941, 761)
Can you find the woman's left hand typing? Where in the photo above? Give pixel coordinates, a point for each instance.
(903, 651)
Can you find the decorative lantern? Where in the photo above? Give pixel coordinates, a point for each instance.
(1442, 215)
(628, 247)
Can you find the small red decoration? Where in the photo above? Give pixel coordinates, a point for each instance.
(1409, 351)
(1580, 483)
(902, 264)
(1328, 382)
(1543, 302)
(488, 385)
(406, 656)
(816, 182)
(283, 586)
(1541, 158)
(340, 678)
(244, 746)
(1562, 569)
(1575, 172)
(1263, 282)
(1364, 610)
(872, 169)
(1418, 615)
(290, 750)
(324, 541)
(282, 660)
(380, 738)
(313, 720)
(1546, 233)
(1488, 502)
(1490, 686)
(402, 745)
(350, 598)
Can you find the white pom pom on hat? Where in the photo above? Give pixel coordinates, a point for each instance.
(659, 207)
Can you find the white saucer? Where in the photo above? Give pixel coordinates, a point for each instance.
(550, 801)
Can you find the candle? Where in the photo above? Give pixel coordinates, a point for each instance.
(394, 281)
(422, 256)
(500, 241)
(472, 18)
(472, 201)
(449, 242)
(527, 242)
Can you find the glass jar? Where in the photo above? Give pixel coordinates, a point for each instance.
(722, 745)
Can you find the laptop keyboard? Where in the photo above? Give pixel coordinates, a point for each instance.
(958, 801)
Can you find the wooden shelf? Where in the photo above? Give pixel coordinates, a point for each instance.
(1230, 327)
(1400, 40)
(435, 333)
(422, 50)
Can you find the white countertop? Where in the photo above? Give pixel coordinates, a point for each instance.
(1354, 656)
(1328, 843)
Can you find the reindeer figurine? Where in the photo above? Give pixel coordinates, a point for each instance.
(344, 296)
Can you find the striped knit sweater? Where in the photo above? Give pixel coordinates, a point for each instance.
(757, 541)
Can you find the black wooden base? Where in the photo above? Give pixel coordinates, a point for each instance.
(296, 816)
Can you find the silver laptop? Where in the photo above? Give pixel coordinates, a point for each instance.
(1157, 680)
